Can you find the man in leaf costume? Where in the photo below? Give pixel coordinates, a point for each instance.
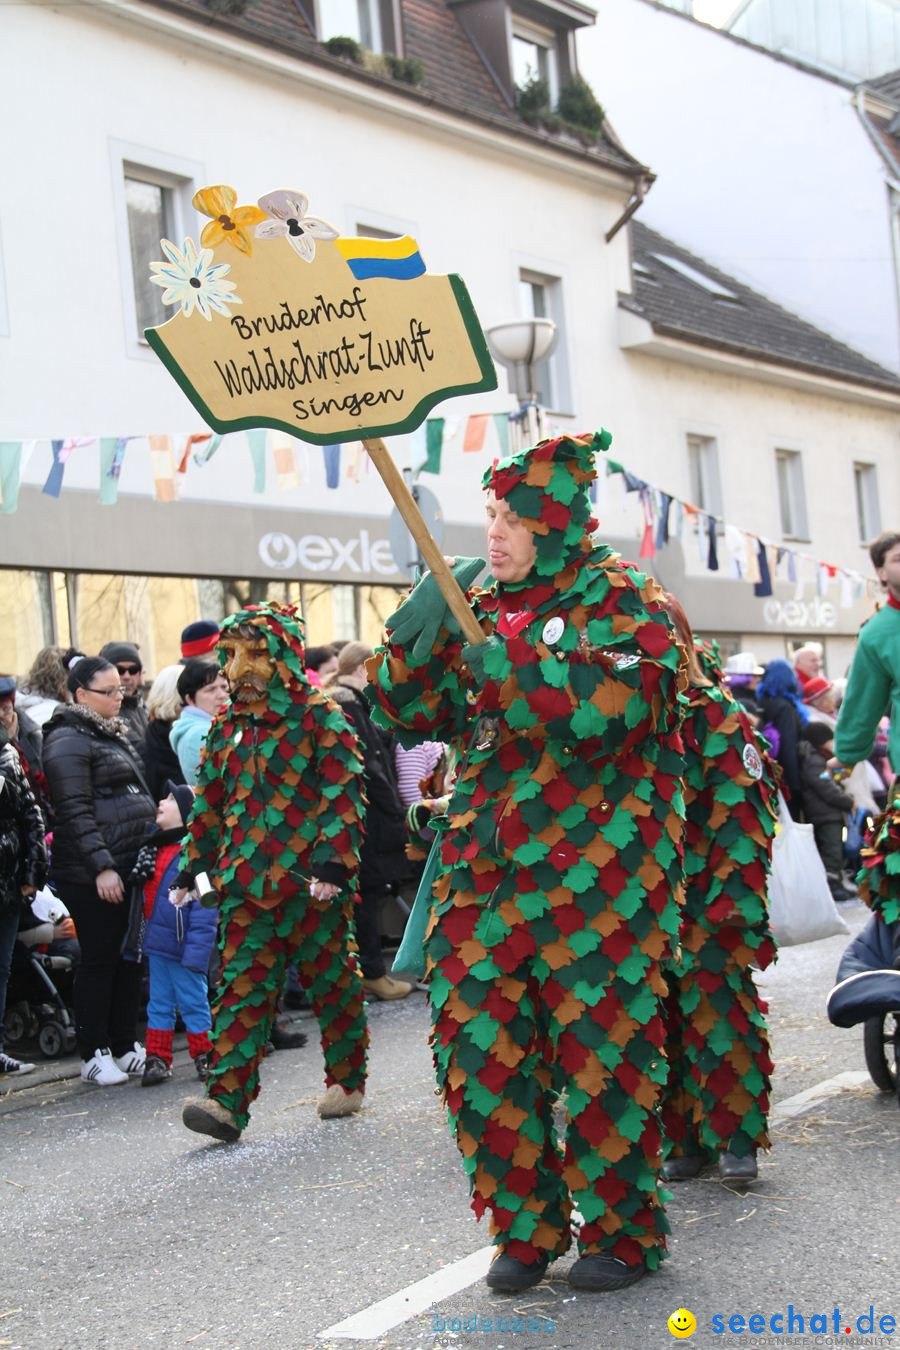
(716, 1101)
(276, 825)
(555, 900)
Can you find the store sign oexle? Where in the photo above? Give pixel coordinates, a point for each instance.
(359, 556)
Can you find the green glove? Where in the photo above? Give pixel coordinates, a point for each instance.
(474, 653)
(425, 610)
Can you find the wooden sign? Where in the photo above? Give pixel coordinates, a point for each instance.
(283, 323)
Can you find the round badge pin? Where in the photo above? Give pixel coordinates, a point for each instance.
(752, 761)
(553, 631)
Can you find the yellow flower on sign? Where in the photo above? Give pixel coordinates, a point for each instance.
(228, 223)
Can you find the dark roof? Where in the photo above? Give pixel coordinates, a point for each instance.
(746, 325)
(455, 77)
(888, 86)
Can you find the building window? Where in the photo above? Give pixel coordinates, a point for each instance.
(868, 515)
(374, 232)
(703, 466)
(151, 216)
(152, 197)
(534, 57)
(358, 19)
(344, 613)
(791, 494)
(540, 297)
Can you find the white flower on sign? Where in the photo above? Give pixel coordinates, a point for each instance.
(289, 220)
(193, 281)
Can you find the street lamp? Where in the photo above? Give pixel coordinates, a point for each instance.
(521, 345)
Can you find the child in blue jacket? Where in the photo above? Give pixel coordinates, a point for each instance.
(178, 943)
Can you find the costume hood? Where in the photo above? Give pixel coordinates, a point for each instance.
(548, 488)
(281, 627)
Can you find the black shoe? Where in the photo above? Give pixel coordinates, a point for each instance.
(201, 1064)
(733, 1168)
(285, 1038)
(601, 1272)
(156, 1070)
(509, 1275)
(295, 999)
(683, 1169)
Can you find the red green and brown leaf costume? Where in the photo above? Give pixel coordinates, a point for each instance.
(279, 801)
(717, 1096)
(879, 874)
(555, 902)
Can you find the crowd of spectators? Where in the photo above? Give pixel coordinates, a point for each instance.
(91, 759)
(90, 752)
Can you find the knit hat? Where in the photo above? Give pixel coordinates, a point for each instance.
(548, 488)
(183, 795)
(742, 663)
(199, 638)
(7, 686)
(122, 651)
(814, 687)
(818, 734)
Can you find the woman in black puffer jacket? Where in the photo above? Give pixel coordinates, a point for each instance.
(103, 812)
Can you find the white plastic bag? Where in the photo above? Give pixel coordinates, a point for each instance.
(801, 908)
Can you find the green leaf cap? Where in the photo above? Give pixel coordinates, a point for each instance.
(548, 487)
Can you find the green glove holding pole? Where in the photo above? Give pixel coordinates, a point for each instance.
(425, 611)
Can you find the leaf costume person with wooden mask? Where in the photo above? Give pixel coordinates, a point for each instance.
(555, 901)
(277, 826)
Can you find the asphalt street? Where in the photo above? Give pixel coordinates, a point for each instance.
(121, 1229)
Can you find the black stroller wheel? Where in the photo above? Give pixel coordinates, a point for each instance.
(881, 1046)
(51, 1040)
(16, 1026)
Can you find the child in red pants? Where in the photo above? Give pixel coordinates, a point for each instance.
(178, 943)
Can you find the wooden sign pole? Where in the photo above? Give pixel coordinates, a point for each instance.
(396, 485)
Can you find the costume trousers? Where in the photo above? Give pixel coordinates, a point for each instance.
(256, 945)
(719, 1084)
(173, 986)
(107, 991)
(564, 1017)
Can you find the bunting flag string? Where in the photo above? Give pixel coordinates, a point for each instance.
(751, 558)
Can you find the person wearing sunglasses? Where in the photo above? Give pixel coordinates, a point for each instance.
(127, 660)
(103, 812)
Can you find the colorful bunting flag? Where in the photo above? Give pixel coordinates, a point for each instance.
(434, 443)
(162, 463)
(332, 456)
(501, 425)
(476, 429)
(286, 472)
(10, 472)
(256, 439)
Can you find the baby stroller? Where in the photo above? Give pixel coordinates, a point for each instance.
(868, 991)
(39, 995)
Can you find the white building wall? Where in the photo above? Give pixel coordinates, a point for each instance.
(70, 366)
(763, 170)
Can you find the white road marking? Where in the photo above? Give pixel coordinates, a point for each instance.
(805, 1101)
(416, 1298)
(389, 1312)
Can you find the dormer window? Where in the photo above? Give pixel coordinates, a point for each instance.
(368, 22)
(534, 56)
(523, 40)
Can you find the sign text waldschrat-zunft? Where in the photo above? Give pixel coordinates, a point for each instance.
(284, 324)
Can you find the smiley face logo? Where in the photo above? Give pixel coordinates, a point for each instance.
(682, 1323)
